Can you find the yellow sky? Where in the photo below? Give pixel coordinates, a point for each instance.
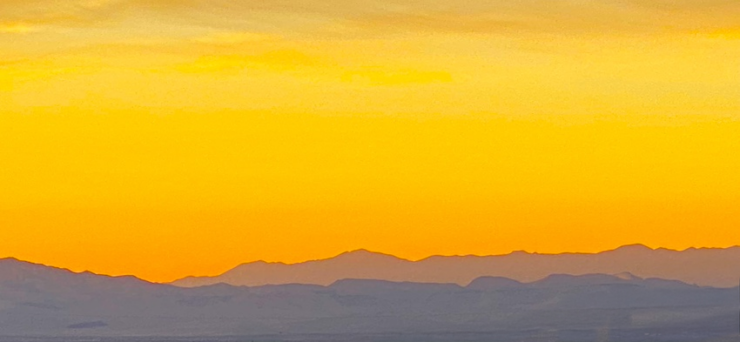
(165, 138)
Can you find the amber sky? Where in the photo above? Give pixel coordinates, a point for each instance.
(164, 138)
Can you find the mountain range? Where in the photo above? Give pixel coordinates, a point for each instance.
(715, 267)
(42, 301)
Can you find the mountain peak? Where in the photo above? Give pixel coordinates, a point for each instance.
(259, 263)
(363, 254)
(361, 251)
(12, 260)
(637, 247)
(20, 264)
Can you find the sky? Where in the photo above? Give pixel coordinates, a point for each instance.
(166, 138)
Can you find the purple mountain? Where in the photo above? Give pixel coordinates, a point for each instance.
(705, 267)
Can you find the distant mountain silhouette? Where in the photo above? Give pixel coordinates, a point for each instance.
(25, 274)
(706, 267)
(36, 300)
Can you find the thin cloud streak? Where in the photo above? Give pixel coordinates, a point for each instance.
(478, 16)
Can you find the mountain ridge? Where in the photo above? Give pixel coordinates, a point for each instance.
(702, 266)
(362, 255)
(636, 246)
(586, 279)
(4, 262)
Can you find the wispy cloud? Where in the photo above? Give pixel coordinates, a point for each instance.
(277, 60)
(226, 36)
(478, 16)
(19, 28)
(379, 76)
(730, 33)
(232, 38)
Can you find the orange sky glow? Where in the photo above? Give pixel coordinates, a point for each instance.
(173, 138)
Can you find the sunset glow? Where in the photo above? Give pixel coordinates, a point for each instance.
(173, 138)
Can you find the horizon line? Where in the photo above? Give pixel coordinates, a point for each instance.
(354, 251)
